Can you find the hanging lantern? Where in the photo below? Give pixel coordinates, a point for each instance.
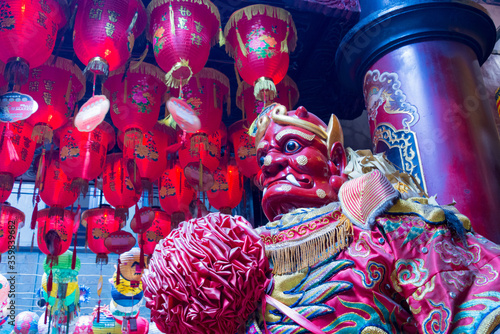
(244, 149)
(57, 87)
(100, 224)
(55, 230)
(259, 38)
(158, 230)
(11, 219)
(287, 94)
(149, 154)
(175, 194)
(120, 184)
(227, 191)
(136, 100)
(205, 96)
(28, 32)
(200, 155)
(56, 189)
(82, 154)
(16, 153)
(105, 32)
(182, 33)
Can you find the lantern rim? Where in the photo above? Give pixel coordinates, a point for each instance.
(91, 213)
(213, 9)
(249, 12)
(67, 65)
(9, 207)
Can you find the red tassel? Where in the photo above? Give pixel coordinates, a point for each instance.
(98, 311)
(136, 215)
(19, 189)
(32, 241)
(18, 239)
(141, 262)
(73, 259)
(46, 314)
(11, 148)
(118, 274)
(34, 215)
(95, 188)
(49, 281)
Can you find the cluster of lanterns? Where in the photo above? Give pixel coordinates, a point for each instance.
(182, 155)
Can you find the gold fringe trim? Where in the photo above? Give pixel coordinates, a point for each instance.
(172, 19)
(140, 59)
(284, 42)
(287, 82)
(264, 86)
(251, 11)
(240, 42)
(213, 9)
(42, 134)
(173, 82)
(291, 256)
(208, 73)
(67, 65)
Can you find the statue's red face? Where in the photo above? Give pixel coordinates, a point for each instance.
(296, 170)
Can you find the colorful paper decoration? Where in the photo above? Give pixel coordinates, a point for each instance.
(175, 194)
(245, 151)
(287, 94)
(11, 219)
(205, 95)
(136, 100)
(227, 190)
(121, 184)
(149, 154)
(105, 32)
(26, 323)
(28, 33)
(84, 325)
(259, 38)
(92, 113)
(16, 154)
(103, 321)
(100, 224)
(82, 154)
(57, 87)
(182, 33)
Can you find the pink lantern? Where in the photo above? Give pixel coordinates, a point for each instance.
(105, 33)
(82, 154)
(182, 33)
(206, 96)
(287, 94)
(135, 101)
(245, 151)
(259, 38)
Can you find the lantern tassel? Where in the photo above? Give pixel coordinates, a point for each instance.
(238, 79)
(222, 40)
(172, 22)
(19, 189)
(68, 90)
(118, 274)
(18, 240)
(34, 215)
(264, 89)
(240, 42)
(284, 43)
(73, 259)
(10, 147)
(141, 262)
(32, 241)
(46, 314)
(38, 179)
(99, 311)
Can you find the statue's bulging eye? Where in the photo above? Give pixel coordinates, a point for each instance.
(292, 146)
(261, 161)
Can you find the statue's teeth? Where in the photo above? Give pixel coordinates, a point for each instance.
(290, 178)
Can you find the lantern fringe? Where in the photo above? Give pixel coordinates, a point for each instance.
(174, 82)
(261, 86)
(251, 11)
(172, 19)
(306, 252)
(207, 73)
(213, 9)
(222, 40)
(284, 42)
(67, 65)
(42, 134)
(140, 60)
(240, 42)
(287, 82)
(137, 68)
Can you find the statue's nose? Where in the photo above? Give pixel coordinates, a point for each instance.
(274, 162)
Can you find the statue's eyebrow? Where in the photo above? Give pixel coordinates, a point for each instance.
(262, 144)
(299, 133)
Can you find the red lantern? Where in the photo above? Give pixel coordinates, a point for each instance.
(158, 230)
(136, 101)
(28, 32)
(16, 153)
(244, 148)
(175, 194)
(199, 156)
(56, 87)
(227, 191)
(287, 94)
(105, 32)
(206, 96)
(82, 154)
(55, 230)
(149, 155)
(100, 224)
(56, 189)
(119, 184)
(11, 219)
(182, 33)
(259, 38)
